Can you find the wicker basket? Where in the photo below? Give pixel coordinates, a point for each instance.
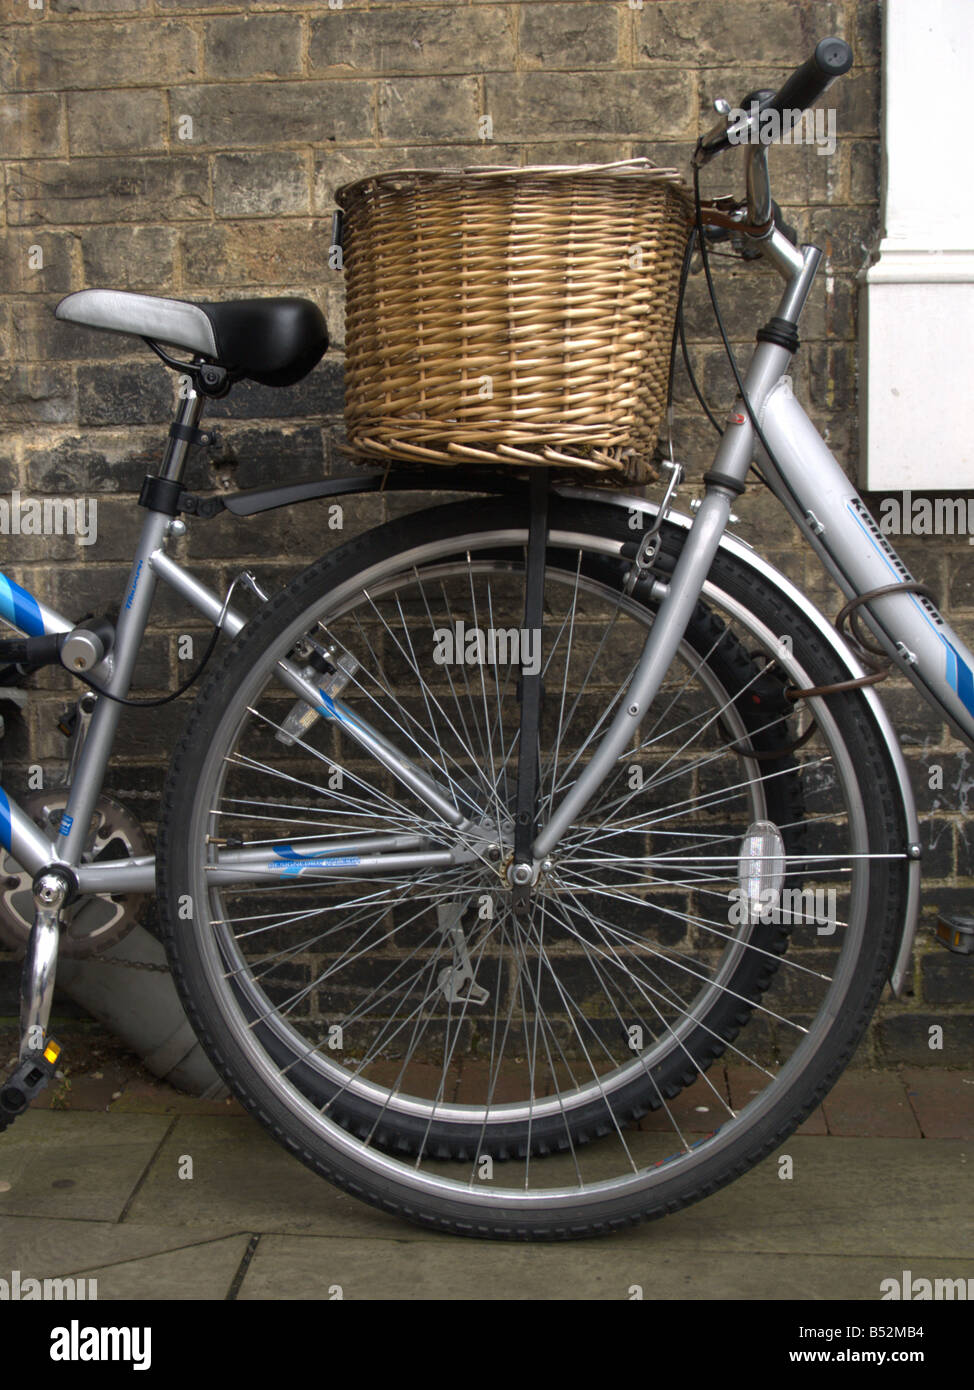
(516, 317)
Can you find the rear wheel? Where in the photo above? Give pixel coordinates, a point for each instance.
(694, 969)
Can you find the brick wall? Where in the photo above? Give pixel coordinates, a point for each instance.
(193, 149)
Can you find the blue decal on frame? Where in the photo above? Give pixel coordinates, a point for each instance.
(20, 608)
(959, 677)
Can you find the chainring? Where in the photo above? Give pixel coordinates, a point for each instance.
(92, 923)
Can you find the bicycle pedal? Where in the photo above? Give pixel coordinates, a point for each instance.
(956, 934)
(29, 1079)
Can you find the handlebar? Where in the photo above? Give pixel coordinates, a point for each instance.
(832, 58)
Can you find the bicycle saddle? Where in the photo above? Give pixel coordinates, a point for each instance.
(273, 341)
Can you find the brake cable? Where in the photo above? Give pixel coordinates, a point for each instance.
(680, 337)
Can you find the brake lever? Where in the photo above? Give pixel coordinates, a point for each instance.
(743, 246)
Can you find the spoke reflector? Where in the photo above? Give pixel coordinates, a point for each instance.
(761, 868)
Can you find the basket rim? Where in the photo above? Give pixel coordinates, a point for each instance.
(622, 169)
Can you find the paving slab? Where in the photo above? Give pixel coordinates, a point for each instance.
(240, 1174)
(874, 1196)
(943, 1101)
(100, 1194)
(873, 1103)
(81, 1165)
(47, 1248)
(316, 1267)
(203, 1270)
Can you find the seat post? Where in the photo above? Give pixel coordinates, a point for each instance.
(182, 433)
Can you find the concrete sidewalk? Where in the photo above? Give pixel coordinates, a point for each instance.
(882, 1183)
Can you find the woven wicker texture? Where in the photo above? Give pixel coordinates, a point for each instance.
(515, 317)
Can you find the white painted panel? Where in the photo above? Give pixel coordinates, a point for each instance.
(917, 302)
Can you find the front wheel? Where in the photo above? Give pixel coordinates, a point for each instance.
(702, 950)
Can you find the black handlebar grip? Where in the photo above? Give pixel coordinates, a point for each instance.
(832, 57)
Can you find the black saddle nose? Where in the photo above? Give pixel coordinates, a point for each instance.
(273, 341)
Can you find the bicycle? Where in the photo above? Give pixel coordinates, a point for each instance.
(463, 936)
